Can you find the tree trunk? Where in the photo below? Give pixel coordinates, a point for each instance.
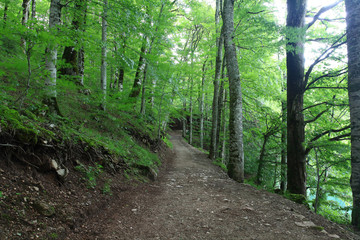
(137, 80)
(5, 12)
(191, 111)
(218, 121)
(219, 42)
(236, 155)
(202, 98)
(50, 60)
(261, 161)
(224, 130)
(24, 20)
(296, 172)
(71, 56)
(353, 45)
(143, 97)
(26, 12)
(283, 152)
(33, 9)
(104, 54)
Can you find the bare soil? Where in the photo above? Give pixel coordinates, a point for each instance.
(191, 199)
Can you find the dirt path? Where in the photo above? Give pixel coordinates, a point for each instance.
(196, 200)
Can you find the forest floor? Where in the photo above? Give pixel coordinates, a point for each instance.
(194, 199)
(190, 199)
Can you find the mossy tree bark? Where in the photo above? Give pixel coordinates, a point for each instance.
(236, 149)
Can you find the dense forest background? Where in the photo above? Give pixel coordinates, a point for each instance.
(97, 70)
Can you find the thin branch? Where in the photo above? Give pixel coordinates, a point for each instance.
(335, 74)
(324, 56)
(344, 88)
(311, 146)
(321, 11)
(317, 117)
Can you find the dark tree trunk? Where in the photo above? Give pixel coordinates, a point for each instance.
(261, 164)
(33, 9)
(283, 147)
(296, 172)
(353, 44)
(73, 58)
(135, 91)
(236, 149)
(5, 12)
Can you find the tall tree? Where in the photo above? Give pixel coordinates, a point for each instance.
(236, 149)
(215, 111)
(295, 96)
(104, 53)
(353, 45)
(51, 58)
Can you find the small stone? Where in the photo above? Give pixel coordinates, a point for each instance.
(333, 236)
(305, 224)
(44, 209)
(134, 210)
(36, 188)
(53, 164)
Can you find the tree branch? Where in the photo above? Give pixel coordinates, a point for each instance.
(337, 138)
(324, 56)
(316, 118)
(335, 74)
(321, 11)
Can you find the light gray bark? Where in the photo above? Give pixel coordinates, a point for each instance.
(353, 44)
(24, 20)
(51, 58)
(104, 54)
(236, 150)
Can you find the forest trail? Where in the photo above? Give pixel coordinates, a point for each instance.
(193, 199)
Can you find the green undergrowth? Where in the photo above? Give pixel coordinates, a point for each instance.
(124, 136)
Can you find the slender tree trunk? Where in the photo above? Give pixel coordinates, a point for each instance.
(5, 12)
(191, 112)
(283, 151)
(261, 164)
(104, 54)
(81, 65)
(51, 58)
(25, 18)
(143, 97)
(224, 129)
(317, 195)
(218, 121)
(219, 42)
(33, 9)
(353, 45)
(236, 150)
(202, 98)
(296, 172)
